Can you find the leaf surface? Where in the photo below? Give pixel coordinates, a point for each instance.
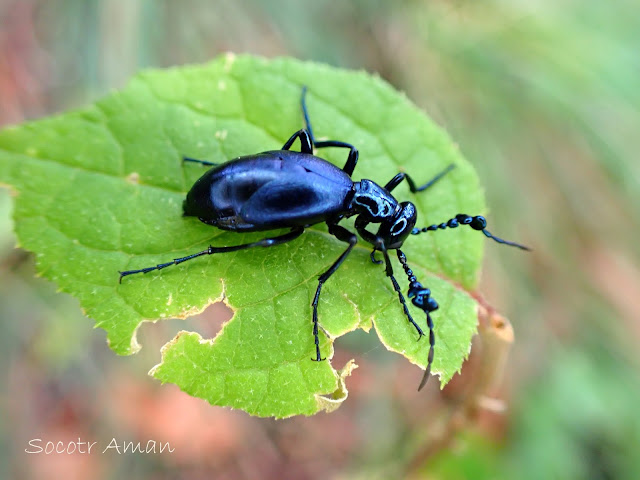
(100, 190)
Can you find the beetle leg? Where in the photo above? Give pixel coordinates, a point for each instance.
(373, 258)
(306, 144)
(265, 242)
(343, 235)
(307, 122)
(378, 244)
(352, 159)
(201, 162)
(396, 287)
(395, 181)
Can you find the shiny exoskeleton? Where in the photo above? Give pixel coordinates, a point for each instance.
(288, 189)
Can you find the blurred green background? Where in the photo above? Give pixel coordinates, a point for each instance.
(542, 97)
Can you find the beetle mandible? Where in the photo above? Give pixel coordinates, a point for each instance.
(288, 189)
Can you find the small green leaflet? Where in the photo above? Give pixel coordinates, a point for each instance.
(100, 190)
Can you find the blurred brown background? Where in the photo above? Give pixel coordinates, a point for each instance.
(542, 98)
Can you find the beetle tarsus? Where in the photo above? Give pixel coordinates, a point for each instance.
(201, 162)
(372, 256)
(395, 181)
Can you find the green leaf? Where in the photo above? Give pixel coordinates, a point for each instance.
(100, 190)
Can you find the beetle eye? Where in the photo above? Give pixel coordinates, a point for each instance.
(399, 226)
(403, 222)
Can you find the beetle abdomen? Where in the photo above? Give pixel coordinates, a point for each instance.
(270, 190)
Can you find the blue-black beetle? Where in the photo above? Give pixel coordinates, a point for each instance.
(289, 189)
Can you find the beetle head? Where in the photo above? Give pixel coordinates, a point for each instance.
(396, 229)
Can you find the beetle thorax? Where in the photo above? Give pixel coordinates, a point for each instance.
(373, 201)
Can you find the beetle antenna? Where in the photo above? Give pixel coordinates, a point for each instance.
(477, 223)
(421, 297)
(396, 287)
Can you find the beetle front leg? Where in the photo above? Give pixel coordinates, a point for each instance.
(343, 235)
(396, 287)
(395, 181)
(372, 256)
(378, 245)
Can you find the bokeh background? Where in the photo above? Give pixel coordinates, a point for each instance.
(542, 97)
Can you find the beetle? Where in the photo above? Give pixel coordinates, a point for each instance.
(288, 189)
